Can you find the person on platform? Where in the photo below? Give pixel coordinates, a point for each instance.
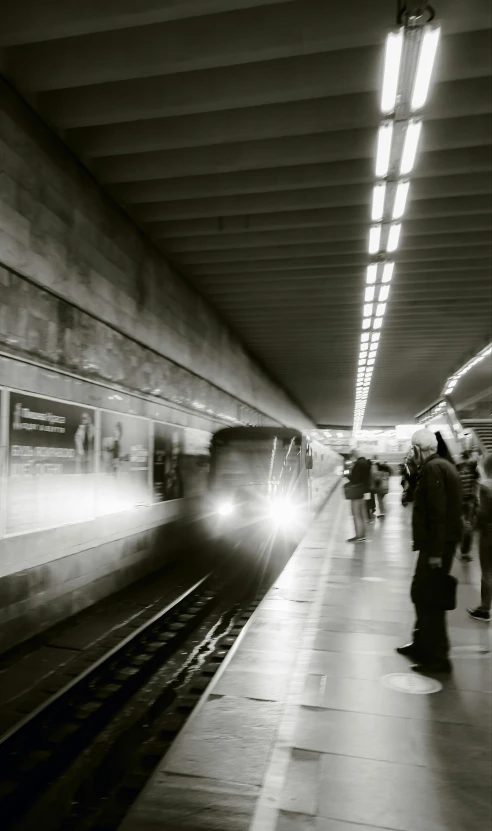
(436, 525)
(467, 469)
(381, 477)
(409, 480)
(484, 524)
(360, 474)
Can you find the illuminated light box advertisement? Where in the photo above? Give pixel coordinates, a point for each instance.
(50, 478)
(168, 451)
(124, 463)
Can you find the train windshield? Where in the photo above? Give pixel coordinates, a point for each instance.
(258, 467)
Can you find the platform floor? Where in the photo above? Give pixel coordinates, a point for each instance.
(299, 729)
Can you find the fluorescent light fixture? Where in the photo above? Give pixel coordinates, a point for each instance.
(364, 337)
(370, 362)
(378, 196)
(400, 199)
(362, 361)
(380, 310)
(427, 56)
(383, 293)
(410, 144)
(367, 309)
(392, 60)
(378, 322)
(371, 274)
(387, 272)
(369, 295)
(375, 338)
(385, 136)
(393, 237)
(374, 239)
(366, 323)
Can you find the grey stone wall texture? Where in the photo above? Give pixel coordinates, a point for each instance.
(58, 228)
(83, 291)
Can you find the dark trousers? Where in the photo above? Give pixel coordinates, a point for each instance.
(430, 635)
(485, 548)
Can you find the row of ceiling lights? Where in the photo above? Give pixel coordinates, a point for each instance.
(409, 59)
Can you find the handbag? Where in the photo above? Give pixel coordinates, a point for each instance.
(434, 589)
(353, 491)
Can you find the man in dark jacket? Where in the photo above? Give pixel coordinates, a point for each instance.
(436, 525)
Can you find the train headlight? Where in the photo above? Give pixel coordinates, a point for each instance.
(283, 511)
(225, 508)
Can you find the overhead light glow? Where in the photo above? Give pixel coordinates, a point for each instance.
(375, 337)
(369, 294)
(372, 271)
(400, 199)
(378, 196)
(364, 337)
(410, 145)
(367, 309)
(374, 239)
(366, 323)
(387, 272)
(393, 237)
(392, 60)
(383, 293)
(378, 322)
(385, 136)
(380, 310)
(425, 65)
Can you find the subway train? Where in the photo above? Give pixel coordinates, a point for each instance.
(266, 484)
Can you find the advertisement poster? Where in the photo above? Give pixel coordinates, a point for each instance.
(168, 450)
(50, 463)
(124, 463)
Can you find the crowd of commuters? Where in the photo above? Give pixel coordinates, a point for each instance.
(449, 502)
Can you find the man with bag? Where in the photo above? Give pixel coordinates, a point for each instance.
(436, 525)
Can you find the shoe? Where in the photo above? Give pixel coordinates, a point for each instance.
(410, 650)
(466, 558)
(479, 614)
(380, 516)
(433, 666)
(356, 539)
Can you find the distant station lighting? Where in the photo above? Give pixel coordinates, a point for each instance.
(409, 58)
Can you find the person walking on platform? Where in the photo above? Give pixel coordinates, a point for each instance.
(484, 524)
(359, 477)
(468, 472)
(436, 525)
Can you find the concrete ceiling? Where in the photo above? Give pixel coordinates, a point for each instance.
(241, 135)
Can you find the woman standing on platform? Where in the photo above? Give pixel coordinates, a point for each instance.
(360, 478)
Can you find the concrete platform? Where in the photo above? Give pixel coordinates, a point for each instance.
(301, 729)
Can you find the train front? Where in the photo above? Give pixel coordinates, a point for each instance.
(259, 489)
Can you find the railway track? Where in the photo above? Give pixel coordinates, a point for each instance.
(78, 761)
